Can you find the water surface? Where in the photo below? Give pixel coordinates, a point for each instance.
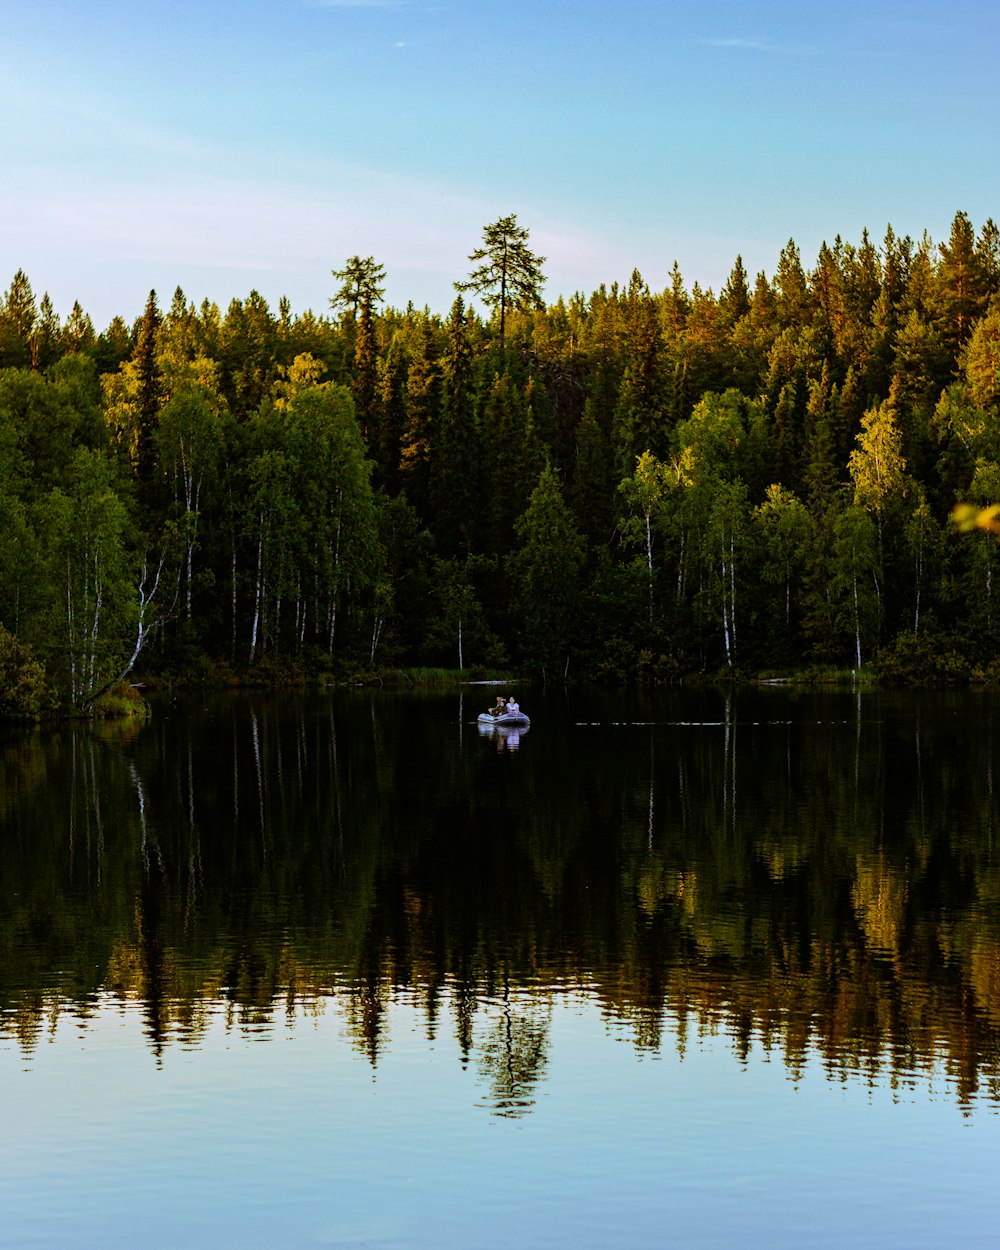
(342, 970)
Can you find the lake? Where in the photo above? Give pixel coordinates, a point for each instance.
(690, 969)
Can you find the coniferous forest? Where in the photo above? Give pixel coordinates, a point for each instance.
(631, 486)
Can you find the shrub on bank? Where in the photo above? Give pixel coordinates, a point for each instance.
(25, 693)
(124, 701)
(921, 660)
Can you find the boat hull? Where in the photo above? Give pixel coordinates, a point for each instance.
(520, 721)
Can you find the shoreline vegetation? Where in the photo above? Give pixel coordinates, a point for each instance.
(637, 487)
(128, 701)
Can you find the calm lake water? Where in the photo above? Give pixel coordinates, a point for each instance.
(340, 971)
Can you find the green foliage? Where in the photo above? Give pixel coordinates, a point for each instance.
(921, 660)
(85, 533)
(982, 361)
(855, 583)
(121, 702)
(328, 490)
(18, 315)
(458, 626)
(546, 571)
(877, 467)
(25, 693)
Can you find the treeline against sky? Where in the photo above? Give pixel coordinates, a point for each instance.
(632, 485)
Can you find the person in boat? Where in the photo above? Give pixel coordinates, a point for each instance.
(513, 707)
(500, 707)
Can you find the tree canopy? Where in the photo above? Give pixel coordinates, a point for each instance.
(633, 485)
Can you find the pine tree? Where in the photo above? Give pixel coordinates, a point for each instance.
(510, 275)
(361, 282)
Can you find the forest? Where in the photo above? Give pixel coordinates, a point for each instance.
(631, 487)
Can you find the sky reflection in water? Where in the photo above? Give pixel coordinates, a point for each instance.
(300, 1142)
(351, 982)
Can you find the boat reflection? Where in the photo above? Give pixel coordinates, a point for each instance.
(507, 737)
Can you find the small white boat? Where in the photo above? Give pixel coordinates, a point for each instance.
(515, 719)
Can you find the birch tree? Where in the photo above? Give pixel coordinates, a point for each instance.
(877, 466)
(105, 599)
(855, 585)
(727, 540)
(190, 438)
(310, 518)
(645, 494)
(783, 523)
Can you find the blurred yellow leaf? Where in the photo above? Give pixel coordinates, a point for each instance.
(968, 517)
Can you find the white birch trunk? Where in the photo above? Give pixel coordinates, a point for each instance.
(725, 609)
(258, 592)
(857, 621)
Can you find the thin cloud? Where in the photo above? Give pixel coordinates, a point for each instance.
(760, 45)
(355, 4)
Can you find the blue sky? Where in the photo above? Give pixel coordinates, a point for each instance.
(224, 146)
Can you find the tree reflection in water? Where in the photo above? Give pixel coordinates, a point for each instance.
(513, 1052)
(814, 876)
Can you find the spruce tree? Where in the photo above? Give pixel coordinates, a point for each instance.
(422, 399)
(546, 572)
(149, 398)
(391, 415)
(961, 285)
(456, 496)
(734, 298)
(17, 322)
